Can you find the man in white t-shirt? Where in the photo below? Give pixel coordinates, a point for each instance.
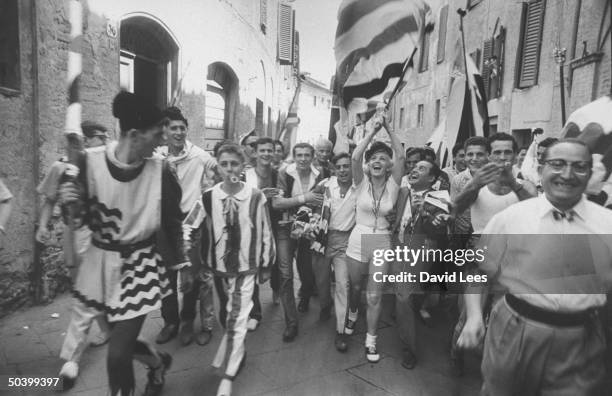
(491, 189)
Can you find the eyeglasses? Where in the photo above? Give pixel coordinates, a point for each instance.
(580, 168)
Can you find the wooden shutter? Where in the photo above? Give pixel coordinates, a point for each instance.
(424, 55)
(487, 53)
(285, 34)
(442, 33)
(531, 39)
(498, 53)
(296, 52)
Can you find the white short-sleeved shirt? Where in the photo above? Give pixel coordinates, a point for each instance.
(365, 220)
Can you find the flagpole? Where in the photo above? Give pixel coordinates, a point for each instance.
(399, 83)
(462, 13)
(72, 126)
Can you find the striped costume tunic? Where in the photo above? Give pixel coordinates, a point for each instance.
(126, 206)
(237, 237)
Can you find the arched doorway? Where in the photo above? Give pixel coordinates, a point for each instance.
(221, 101)
(149, 58)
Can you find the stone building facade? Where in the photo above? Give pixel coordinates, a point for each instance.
(314, 111)
(229, 64)
(513, 43)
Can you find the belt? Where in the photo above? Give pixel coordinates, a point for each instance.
(551, 318)
(124, 248)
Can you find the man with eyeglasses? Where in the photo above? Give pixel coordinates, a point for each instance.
(545, 336)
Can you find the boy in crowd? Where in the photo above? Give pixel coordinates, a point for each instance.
(191, 164)
(339, 215)
(237, 244)
(264, 178)
(296, 182)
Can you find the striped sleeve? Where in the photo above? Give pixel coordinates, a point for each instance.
(268, 251)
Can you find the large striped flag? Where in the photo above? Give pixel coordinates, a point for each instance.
(375, 41)
(467, 113)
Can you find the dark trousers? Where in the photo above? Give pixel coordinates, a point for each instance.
(275, 277)
(123, 347)
(286, 251)
(170, 306)
(303, 259)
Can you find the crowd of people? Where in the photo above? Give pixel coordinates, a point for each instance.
(159, 220)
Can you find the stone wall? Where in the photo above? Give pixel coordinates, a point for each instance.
(33, 118)
(516, 109)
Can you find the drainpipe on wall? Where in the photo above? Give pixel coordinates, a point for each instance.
(570, 72)
(37, 270)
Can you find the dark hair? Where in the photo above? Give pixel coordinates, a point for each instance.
(415, 150)
(377, 147)
(263, 140)
(526, 148)
(135, 112)
(547, 142)
(435, 169)
(301, 146)
(174, 114)
(502, 137)
(429, 151)
(456, 149)
(568, 140)
(90, 128)
(278, 142)
(339, 156)
(219, 144)
(475, 141)
(231, 148)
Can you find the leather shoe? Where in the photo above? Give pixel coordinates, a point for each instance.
(186, 333)
(303, 305)
(204, 337)
(290, 333)
(155, 382)
(408, 359)
(340, 342)
(167, 333)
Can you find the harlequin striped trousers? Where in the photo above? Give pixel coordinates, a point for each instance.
(231, 351)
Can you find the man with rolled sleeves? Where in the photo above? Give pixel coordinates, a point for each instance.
(544, 337)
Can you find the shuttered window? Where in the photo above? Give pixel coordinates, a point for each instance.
(531, 39)
(487, 53)
(442, 33)
(285, 34)
(296, 51)
(424, 55)
(496, 71)
(493, 64)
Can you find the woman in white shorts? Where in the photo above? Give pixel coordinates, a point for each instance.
(376, 195)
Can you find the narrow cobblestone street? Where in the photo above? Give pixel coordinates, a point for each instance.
(31, 340)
